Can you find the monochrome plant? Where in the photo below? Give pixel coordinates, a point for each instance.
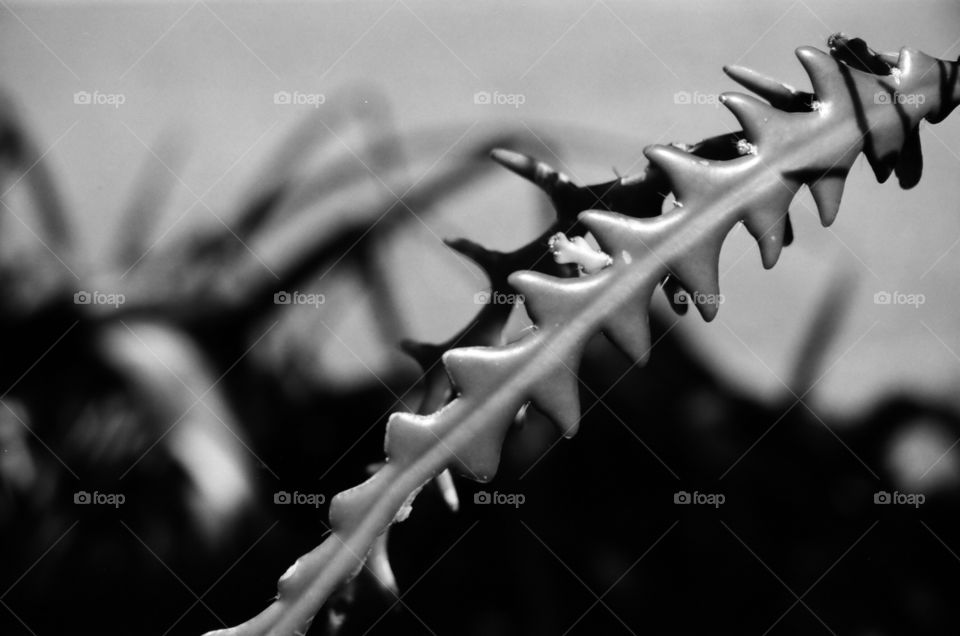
(476, 387)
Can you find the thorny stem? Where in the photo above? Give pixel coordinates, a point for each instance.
(815, 149)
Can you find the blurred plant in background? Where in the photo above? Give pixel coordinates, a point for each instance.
(157, 468)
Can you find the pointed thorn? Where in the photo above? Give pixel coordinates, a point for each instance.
(474, 371)
(537, 172)
(754, 115)
(608, 228)
(709, 310)
(768, 227)
(624, 238)
(542, 296)
(778, 94)
(379, 564)
(564, 411)
(522, 417)
(630, 332)
(558, 397)
(686, 172)
(912, 61)
(699, 273)
(676, 296)
(910, 164)
(769, 251)
(488, 260)
(788, 232)
(554, 301)
(827, 192)
(448, 489)
(408, 436)
(467, 367)
(516, 162)
(823, 70)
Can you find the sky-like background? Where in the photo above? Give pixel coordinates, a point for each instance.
(598, 82)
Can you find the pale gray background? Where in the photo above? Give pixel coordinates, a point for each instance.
(207, 72)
